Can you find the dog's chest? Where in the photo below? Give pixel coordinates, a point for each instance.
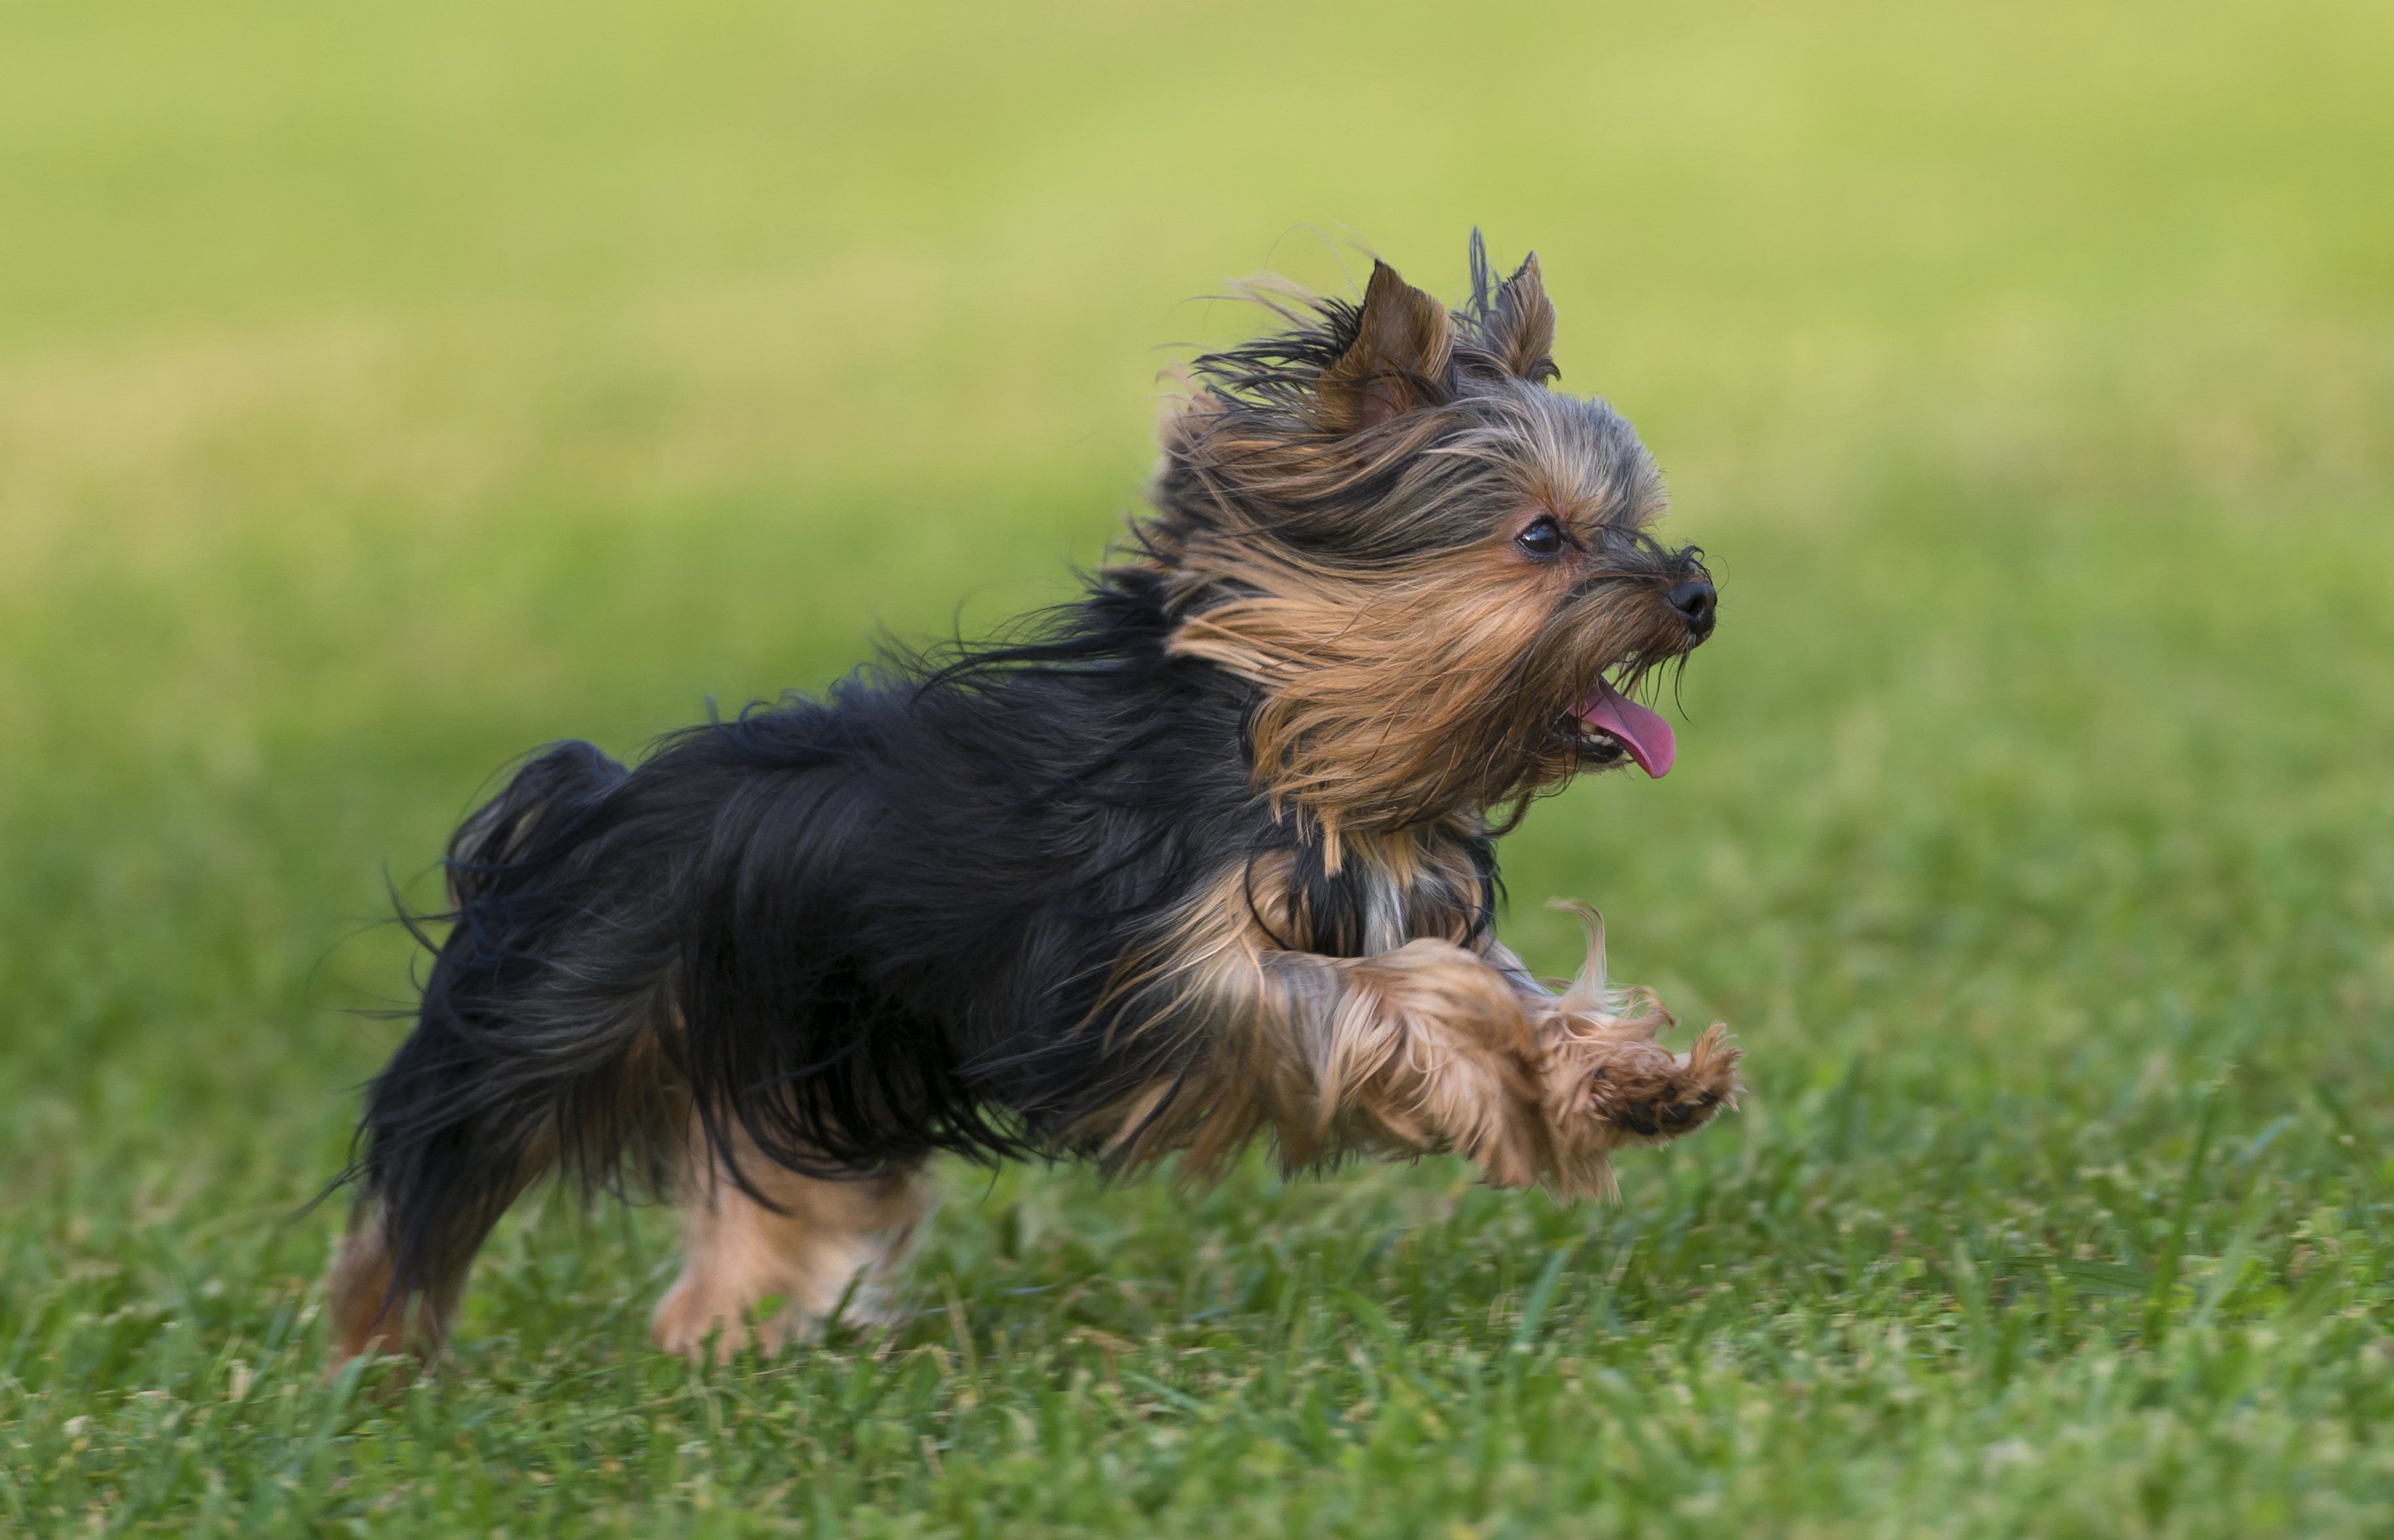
(1387, 891)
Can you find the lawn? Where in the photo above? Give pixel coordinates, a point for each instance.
(384, 391)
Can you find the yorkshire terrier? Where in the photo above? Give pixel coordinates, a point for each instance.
(1204, 855)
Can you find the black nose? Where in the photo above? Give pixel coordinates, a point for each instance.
(1694, 602)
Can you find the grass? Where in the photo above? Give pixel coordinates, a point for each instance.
(384, 393)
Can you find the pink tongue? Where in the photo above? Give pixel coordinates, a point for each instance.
(1646, 736)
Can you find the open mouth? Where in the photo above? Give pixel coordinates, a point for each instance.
(1611, 725)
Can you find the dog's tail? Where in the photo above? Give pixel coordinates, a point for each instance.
(543, 811)
(463, 1117)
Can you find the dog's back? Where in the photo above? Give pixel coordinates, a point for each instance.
(839, 934)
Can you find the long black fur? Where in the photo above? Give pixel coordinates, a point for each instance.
(860, 928)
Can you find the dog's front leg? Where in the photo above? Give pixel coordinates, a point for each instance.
(1605, 1082)
(1424, 1047)
(1432, 1046)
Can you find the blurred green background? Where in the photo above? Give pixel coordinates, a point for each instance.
(384, 391)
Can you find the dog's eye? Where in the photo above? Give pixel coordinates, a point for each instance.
(1543, 537)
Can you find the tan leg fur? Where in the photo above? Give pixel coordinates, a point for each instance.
(739, 1252)
(1434, 1046)
(1606, 1083)
(1427, 1047)
(365, 1319)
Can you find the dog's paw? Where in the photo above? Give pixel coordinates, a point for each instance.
(695, 1320)
(1602, 1091)
(1652, 1095)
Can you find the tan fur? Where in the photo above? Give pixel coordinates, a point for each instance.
(366, 1318)
(1397, 692)
(1377, 711)
(1605, 1084)
(737, 1253)
(1423, 1045)
(1522, 331)
(832, 1240)
(1431, 1049)
(1401, 342)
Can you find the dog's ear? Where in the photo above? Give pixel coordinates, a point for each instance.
(1399, 359)
(1521, 325)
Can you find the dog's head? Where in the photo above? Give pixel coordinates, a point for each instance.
(1438, 570)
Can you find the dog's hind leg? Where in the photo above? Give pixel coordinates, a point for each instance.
(370, 1313)
(819, 1244)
